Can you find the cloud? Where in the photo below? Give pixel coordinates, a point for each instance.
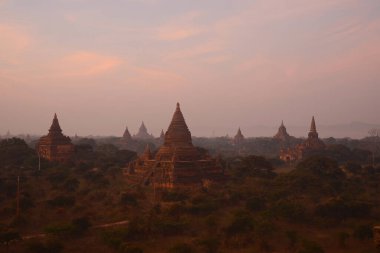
(198, 50)
(85, 63)
(180, 27)
(14, 40)
(177, 33)
(153, 77)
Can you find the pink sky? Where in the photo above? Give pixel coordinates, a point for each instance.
(230, 63)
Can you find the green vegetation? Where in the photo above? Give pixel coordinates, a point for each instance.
(322, 204)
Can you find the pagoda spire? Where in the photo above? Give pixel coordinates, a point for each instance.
(147, 153)
(178, 133)
(126, 134)
(313, 128)
(55, 127)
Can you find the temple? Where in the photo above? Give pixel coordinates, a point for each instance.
(310, 146)
(282, 134)
(239, 138)
(55, 146)
(177, 162)
(127, 137)
(162, 135)
(143, 133)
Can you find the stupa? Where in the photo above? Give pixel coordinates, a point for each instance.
(143, 133)
(177, 162)
(55, 146)
(310, 146)
(239, 138)
(282, 134)
(127, 137)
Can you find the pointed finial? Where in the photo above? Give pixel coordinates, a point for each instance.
(282, 122)
(313, 127)
(178, 107)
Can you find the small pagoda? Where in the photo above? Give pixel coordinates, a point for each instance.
(177, 162)
(127, 137)
(239, 138)
(311, 145)
(55, 146)
(282, 134)
(143, 133)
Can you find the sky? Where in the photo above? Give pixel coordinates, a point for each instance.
(104, 65)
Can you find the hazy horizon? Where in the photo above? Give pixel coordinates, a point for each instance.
(103, 66)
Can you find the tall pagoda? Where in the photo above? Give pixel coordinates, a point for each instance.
(311, 145)
(239, 138)
(55, 146)
(177, 162)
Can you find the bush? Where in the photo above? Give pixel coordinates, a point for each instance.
(81, 225)
(114, 238)
(62, 201)
(210, 244)
(182, 248)
(341, 209)
(129, 249)
(291, 211)
(255, 204)
(128, 199)
(40, 247)
(169, 227)
(242, 223)
(173, 196)
(311, 247)
(363, 232)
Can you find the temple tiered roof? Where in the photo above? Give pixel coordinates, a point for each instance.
(127, 136)
(143, 133)
(55, 146)
(310, 146)
(239, 137)
(178, 140)
(282, 134)
(177, 162)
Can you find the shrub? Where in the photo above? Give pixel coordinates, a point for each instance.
(291, 211)
(182, 248)
(255, 204)
(81, 225)
(311, 247)
(61, 201)
(128, 199)
(173, 196)
(363, 232)
(114, 238)
(242, 223)
(342, 209)
(169, 227)
(131, 249)
(210, 244)
(48, 247)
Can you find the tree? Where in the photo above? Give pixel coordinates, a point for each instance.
(182, 248)
(9, 236)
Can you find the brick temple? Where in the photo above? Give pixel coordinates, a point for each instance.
(311, 145)
(55, 146)
(177, 162)
(282, 134)
(239, 138)
(143, 134)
